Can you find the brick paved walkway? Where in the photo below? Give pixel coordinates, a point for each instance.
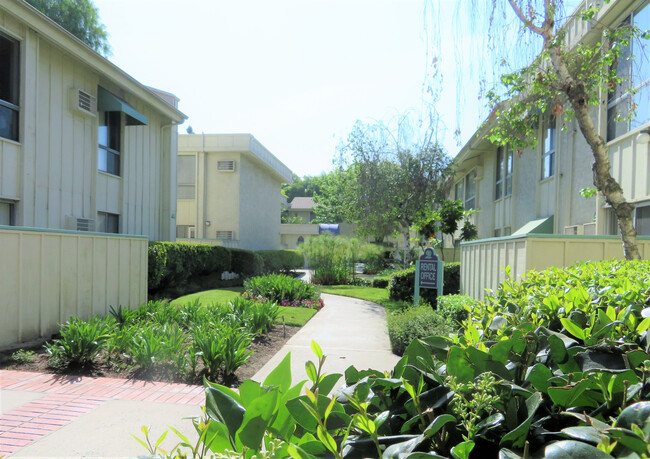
(68, 397)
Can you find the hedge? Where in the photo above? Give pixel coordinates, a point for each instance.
(416, 322)
(177, 268)
(400, 286)
(282, 261)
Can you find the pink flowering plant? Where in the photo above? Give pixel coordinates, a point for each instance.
(284, 290)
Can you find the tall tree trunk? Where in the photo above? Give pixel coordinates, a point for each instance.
(579, 100)
(601, 168)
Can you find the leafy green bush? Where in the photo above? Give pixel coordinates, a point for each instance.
(414, 322)
(401, 284)
(279, 287)
(380, 281)
(246, 263)
(282, 261)
(81, 341)
(455, 307)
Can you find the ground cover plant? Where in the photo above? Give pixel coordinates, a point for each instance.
(280, 288)
(556, 365)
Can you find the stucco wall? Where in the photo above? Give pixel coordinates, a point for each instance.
(46, 277)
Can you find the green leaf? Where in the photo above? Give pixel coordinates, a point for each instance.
(639, 414)
(517, 437)
(459, 366)
(328, 382)
(256, 420)
(363, 423)
(573, 328)
(570, 449)
(462, 450)
(249, 391)
(310, 368)
(584, 433)
(281, 375)
(317, 350)
(539, 376)
(223, 408)
(326, 439)
(438, 423)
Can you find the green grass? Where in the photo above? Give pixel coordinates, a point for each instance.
(292, 316)
(376, 295)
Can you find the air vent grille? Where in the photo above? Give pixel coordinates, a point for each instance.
(79, 224)
(83, 102)
(226, 166)
(225, 235)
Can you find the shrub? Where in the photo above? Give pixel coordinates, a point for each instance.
(80, 342)
(414, 322)
(279, 287)
(402, 282)
(380, 282)
(246, 263)
(455, 307)
(282, 261)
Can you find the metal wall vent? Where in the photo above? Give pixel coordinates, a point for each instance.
(225, 235)
(226, 166)
(79, 224)
(83, 102)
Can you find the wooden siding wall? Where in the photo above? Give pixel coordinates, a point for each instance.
(482, 262)
(46, 277)
(52, 172)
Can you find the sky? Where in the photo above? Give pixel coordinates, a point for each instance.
(296, 74)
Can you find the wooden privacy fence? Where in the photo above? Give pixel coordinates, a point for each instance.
(483, 261)
(48, 276)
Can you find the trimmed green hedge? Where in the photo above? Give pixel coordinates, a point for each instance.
(178, 268)
(282, 261)
(416, 322)
(401, 284)
(380, 282)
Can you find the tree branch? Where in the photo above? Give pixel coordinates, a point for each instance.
(527, 22)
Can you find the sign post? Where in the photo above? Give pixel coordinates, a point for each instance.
(428, 273)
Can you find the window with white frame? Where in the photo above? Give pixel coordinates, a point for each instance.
(186, 177)
(109, 138)
(465, 190)
(628, 106)
(9, 87)
(643, 220)
(503, 185)
(548, 149)
(108, 223)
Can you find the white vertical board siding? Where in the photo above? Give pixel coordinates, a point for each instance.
(630, 167)
(46, 277)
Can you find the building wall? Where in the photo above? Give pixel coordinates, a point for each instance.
(259, 207)
(221, 195)
(47, 277)
(52, 172)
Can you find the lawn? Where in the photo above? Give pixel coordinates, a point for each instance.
(290, 315)
(376, 295)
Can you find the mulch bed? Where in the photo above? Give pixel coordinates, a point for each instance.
(264, 347)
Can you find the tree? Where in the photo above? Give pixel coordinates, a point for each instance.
(563, 80)
(302, 186)
(389, 179)
(80, 18)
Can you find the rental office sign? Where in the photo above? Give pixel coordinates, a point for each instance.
(428, 273)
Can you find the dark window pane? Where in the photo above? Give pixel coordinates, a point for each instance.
(8, 123)
(643, 221)
(9, 68)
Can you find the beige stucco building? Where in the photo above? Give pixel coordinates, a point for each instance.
(537, 192)
(229, 191)
(87, 167)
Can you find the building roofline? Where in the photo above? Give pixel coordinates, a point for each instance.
(70, 44)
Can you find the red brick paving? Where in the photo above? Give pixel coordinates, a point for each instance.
(68, 397)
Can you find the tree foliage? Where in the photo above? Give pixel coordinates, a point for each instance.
(80, 18)
(387, 180)
(305, 186)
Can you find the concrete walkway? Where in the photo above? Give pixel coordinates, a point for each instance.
(348, 330)
(44, 415)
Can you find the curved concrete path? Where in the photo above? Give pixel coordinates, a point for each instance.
(44, 415)
(348, 330)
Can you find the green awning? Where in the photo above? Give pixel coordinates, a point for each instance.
(541, 226)
(108, 102)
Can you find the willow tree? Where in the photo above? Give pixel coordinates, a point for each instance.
(565, 78)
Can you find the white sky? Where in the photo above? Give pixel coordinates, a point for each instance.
(296, 74)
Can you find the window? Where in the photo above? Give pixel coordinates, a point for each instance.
(497, 232)
(186, 177)
(6, 213)
(9, 87)
(185, 231)
(108, 223)
(503, 185)
(548, 149)
(300, 240)
(643, 221)
(633, 93)
(109, 139)
(465, 191)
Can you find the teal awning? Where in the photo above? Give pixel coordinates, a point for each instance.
(108, 102)
(541, 226)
